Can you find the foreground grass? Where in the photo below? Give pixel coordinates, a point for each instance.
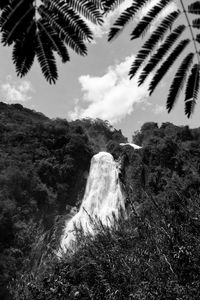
(151, 255)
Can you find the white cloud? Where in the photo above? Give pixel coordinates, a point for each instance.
(13, 91)
(159, 109)
(112, 96)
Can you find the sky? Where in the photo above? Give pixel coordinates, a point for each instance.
(95, 86)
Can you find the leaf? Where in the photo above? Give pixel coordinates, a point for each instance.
(60, 24)
(178, 81)
(151, 43)
(46, 58)
(3, 3)
(65, 33)
(10, 10)
(56, 43)
(194, 8)
(110, 5)
(161, 52)
(24, 52)
(145, 22)
(198, 38)
(125, 18)
(15, 20)
(87, 8)
(196, 23)
(167, 64)
(72, 19)
(192, 89)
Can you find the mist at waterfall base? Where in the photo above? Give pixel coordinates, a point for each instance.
(103, 198)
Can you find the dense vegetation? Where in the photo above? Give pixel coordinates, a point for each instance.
(152, 254)
(43, 171)
(174, 38)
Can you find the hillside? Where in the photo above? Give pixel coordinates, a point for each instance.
(154, 253)
(43, 168)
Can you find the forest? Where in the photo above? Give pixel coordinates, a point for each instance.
(43, 169)
(152, 254)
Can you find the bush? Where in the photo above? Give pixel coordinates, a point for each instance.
(153, 255)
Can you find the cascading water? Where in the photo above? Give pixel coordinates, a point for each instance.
(103, 197)
(134, 146)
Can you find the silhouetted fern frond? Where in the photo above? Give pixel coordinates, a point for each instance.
(56, 43)
(161, 52)
(3, 3)
(24, 52)
(87, 8)
(57, 24)
(125, 18)
(109, 5)
(147, 19)
(46, 58)
(192, 90)
(151, 43)
(152, 53)
(196, 23)
(194, 8)
(167, 64)
(179, 80)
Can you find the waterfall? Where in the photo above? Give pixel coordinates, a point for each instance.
(102, 198)
(134, 146)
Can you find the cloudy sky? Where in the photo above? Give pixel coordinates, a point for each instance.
(95, 86)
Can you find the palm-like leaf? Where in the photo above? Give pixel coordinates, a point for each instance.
(87, 8)
(196, 23)
(55, 26)
(147, 19)
(71, 18)
(161, 52)
(198, 38)
(153, 53)
(179, 80)
(125, 18)
(3, 3)
(14, 20)
(192, 90)
(56, 43)
(194, 8)
(46, 58)
(24, 52)
(66, 33)
(167, 64)
(151, 43)
(109, 5)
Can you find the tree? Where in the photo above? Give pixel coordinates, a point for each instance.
(163, 53)
(43, 28)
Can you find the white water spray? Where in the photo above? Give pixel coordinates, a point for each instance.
(102, 198)
(131, 144)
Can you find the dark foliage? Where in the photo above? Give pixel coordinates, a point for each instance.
(147, 60)
(154, 252)
(43, 28)
(43, 171)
